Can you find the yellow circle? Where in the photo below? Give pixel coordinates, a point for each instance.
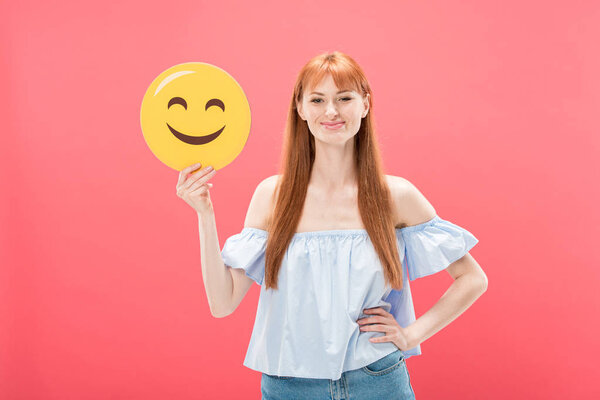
(195, 112)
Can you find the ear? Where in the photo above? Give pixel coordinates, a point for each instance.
(366, 104)
(300, 112)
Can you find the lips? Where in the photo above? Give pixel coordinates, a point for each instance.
(195, 139)
(333, 125)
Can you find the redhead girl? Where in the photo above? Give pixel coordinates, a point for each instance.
(333, 243)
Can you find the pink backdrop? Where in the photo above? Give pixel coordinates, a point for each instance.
(487, 108)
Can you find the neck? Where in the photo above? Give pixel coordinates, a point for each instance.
(334, 166)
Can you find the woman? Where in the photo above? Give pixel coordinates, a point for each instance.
(333, 242)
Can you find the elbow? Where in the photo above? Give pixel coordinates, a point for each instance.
(217, 315)
(483, 283)
(220, 312)
(476, 281)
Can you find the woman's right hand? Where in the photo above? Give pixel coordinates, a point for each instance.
(194, 188)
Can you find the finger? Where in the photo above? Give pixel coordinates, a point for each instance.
(197, 185)
(383, 316)
(380, 339)
(201, 176)
(369, 320)
(377, 328)
(199, 190)
(377, 310)
(183, 173)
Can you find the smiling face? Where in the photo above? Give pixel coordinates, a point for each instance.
(333, 114)
(195, 112)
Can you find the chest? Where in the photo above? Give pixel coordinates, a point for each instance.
(323, 211)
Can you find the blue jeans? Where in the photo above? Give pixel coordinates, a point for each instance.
(386, 378)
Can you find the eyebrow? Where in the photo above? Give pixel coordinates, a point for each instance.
(341, 91)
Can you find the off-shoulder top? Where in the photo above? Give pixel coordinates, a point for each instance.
(307, 327)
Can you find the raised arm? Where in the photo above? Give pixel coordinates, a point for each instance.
(218, 282)
(257, 216)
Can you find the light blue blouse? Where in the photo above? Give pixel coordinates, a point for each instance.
(307, 328)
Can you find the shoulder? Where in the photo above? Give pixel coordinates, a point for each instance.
(410, 205)
(262, 203)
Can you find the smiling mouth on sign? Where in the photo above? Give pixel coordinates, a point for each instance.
(195, 139)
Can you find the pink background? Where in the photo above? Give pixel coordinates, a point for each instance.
(489, 108)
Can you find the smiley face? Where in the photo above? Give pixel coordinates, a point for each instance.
(195, 112)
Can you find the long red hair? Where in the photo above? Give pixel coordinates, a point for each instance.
(298, 154)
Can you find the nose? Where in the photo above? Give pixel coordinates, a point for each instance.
(331, 110)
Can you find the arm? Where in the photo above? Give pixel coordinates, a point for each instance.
(257, 216)
(470, 281)
(193, 188)
(233, 287)
(218, 282)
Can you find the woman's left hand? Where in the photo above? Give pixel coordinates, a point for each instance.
(385, 322)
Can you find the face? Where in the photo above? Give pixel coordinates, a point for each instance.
(333, 114)
(195, 112)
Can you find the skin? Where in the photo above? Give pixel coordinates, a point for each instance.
(334, 150)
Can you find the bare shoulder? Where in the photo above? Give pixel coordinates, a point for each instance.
(410, 205)
(262, 203)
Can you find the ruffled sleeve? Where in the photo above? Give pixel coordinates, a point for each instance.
(433, 245)
(246, 250)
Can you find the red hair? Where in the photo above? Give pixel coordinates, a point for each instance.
(298, 154)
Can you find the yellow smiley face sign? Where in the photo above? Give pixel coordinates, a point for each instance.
(195, 113)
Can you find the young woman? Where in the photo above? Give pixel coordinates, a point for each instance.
(333, 242)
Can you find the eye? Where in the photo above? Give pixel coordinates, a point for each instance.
(177, 100)
(215, 102)
(341, 98)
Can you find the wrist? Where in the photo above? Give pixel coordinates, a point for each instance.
(205, 215)
(412, 337)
